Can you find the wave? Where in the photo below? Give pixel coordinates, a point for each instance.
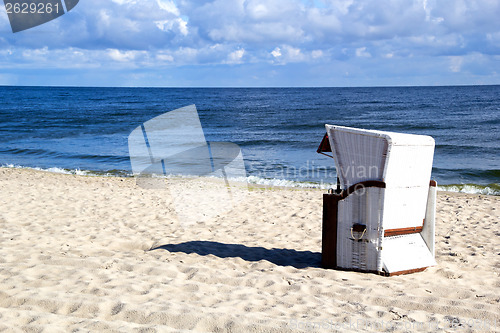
(471, 176)
(274, 182)
(452, 148)
(55, 154)
(78, 172)
(489, 189)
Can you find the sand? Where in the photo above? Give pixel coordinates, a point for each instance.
(81, 253)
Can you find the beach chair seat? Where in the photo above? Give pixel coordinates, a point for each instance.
(383, 219)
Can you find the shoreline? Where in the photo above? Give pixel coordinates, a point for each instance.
(317, 186)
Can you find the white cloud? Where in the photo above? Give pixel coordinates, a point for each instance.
(36, 55)
(276, 52)
(149, 33)
(168, 6)
(122, 56)
(257, 25)
(317, 54)
(361, 52)
(456, 64)
(164, 57)
(258, 10)
(236, 57)
(173, 25)
(288, 54)
(293, 54)
(252, 21)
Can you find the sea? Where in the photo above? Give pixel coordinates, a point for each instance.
(83, 130)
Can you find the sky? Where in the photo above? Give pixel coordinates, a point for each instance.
(258, 43)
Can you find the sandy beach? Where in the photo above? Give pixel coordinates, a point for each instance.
(87, 253)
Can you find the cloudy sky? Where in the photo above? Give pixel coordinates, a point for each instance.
(193, 43)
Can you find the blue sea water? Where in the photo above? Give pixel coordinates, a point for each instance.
(70, 129)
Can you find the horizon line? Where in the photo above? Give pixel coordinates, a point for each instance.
(253, 87)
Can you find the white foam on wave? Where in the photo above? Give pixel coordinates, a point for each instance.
(76, 172)
(271, 182)
(470, 189)
(287, 183)
(492, 189)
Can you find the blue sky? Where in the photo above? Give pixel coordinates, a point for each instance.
(232, 43)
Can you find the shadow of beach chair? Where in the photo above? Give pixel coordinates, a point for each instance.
(383, 219)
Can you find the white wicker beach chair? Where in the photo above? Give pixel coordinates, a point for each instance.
(383, 219)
